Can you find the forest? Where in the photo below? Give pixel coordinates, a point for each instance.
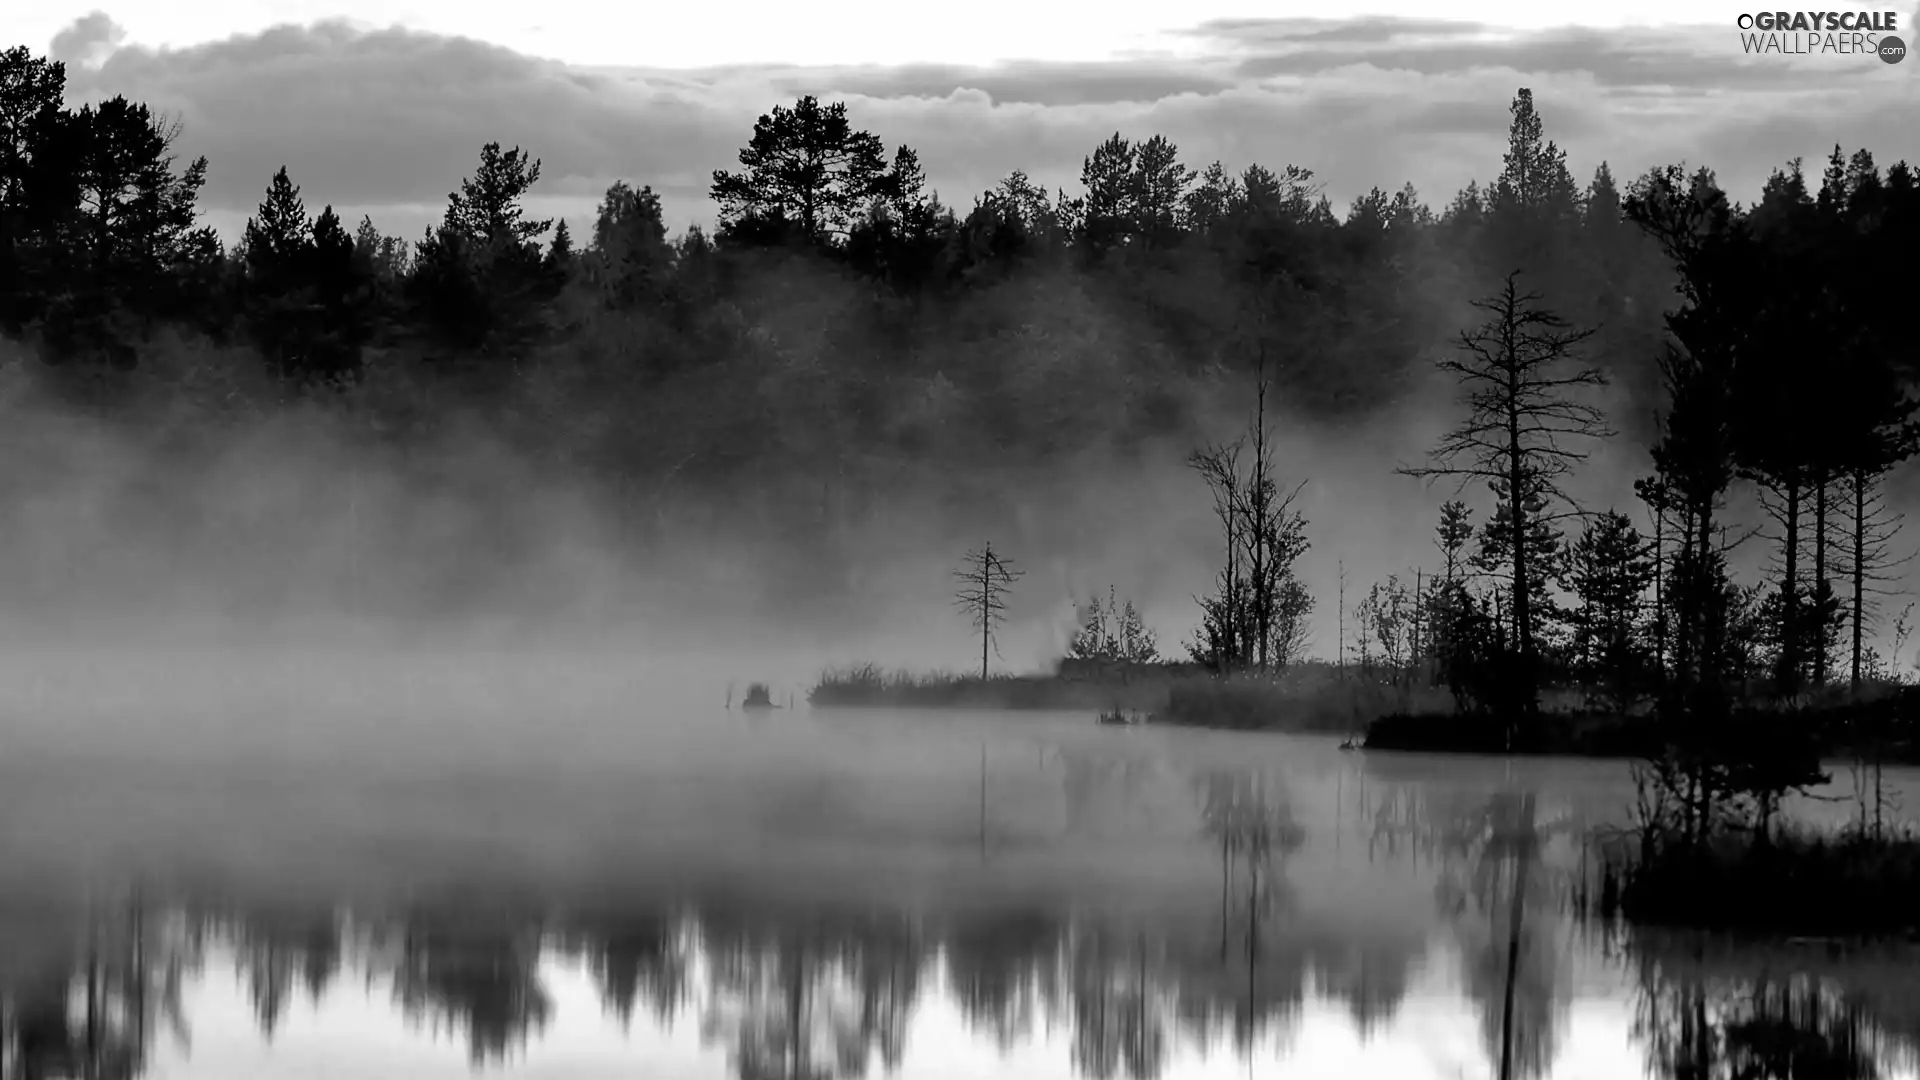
(843, 341)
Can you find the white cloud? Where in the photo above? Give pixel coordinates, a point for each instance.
(388, 121)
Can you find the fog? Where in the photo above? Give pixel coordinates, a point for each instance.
(285, 557)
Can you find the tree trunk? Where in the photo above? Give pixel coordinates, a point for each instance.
(1659, 592)
(1416, 662)
(1526, 692)
(1259, 506)
(1790, 630)
(1515, 913)
(1859, 574)
(986, 607)
(1820, 577)
(1226, 871)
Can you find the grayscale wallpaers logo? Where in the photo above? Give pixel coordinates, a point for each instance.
(1810, 33)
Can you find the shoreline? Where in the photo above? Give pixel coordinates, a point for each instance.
(1381, 712)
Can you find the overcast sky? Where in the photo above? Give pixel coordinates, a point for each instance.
(381, 108)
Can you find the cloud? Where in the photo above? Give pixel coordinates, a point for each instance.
(88, 42)
(1682, 60)
(1362, 30)
(1020, 83)
(387, 121)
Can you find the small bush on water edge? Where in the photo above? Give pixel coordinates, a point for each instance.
(1801, 882)
(1305, 697)
(1575, 732)
(1881, 726)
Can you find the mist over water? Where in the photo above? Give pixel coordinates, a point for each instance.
(351, 758)
(1022, 892)
(368, 759)
(378, 616)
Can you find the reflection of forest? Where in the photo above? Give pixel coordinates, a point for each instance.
(1506, 866)
(786, 990)
(1711, 1012)
(1500, 893)
(796, 997)
(792, 991)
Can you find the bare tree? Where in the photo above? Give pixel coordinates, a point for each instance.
(1873, 528)
(1114, 631)
(1520, 396)
(1386, 622)
(1340, 625)
(1258, 618)
(985, 580)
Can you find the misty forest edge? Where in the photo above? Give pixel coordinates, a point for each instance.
(841, 321)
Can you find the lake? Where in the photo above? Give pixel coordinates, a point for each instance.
(406, 872)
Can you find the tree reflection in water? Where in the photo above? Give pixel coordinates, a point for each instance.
(1002, 969)
(474, 970)
(641, 963)
(785, 992)
(1705, 1012)
(1493, 887)
(818, 995)
(280, 952)
(1249, 818)
(789, 991)
(92, 1004)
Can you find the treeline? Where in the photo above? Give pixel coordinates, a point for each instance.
(841, 319)
(844, 336)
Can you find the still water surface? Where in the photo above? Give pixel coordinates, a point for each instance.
(697, 893)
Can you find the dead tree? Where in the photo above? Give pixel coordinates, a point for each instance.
(985, 580)
(1258, 617)
(1520, 392)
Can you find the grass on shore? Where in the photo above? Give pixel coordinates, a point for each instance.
(871, 686)
(1882, 725)
(1561, 730)
(1311, 696)
(1803, 882)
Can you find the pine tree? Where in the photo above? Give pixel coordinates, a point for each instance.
(560, 257)
(278, 238)
(630, 257)
(1519, 381)
(807, 173)
(1608, 570)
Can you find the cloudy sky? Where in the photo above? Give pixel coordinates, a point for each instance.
(381, 108)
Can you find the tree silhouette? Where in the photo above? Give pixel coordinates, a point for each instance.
(278, 254)
(630, 258)
(1518, 385)
(31, 93)
(478, 275)
(807, 169)
(1693, 458)
(1610, 569)
(985, 581)
(1257, 617)
(1113, 631)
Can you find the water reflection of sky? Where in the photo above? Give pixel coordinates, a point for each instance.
(354, 1030)
(865, 896)
(771, 994)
